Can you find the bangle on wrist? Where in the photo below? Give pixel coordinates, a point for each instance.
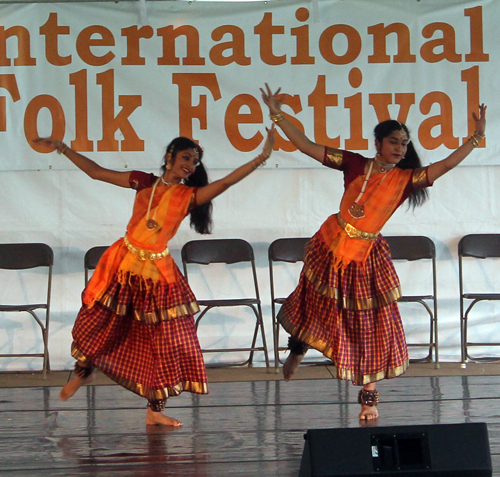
(62, 148)
(260, 160)
(482, 136)
(264, 157)
(476, 139)
(276, 118)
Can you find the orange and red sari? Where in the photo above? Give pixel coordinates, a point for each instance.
(136, 323)
(345, 304)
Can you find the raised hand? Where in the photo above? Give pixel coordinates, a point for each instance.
(481, 120)
(50, 143)
(269, 144)
(272, 100)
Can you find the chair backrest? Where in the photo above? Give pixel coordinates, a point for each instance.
(288, 249)
(411, 247)
(21, 256)
(92, 257)
(479, 245)
(217, 251)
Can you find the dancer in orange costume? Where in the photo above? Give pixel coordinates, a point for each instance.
(345, 304)
(136, 322)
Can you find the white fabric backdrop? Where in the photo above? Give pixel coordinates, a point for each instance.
(46, 199)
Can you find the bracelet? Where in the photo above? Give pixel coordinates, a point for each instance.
(260, 163)
(277, 117)
(476, 139)
(265, 157)
(62, 148)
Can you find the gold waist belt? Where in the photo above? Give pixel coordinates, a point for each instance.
(353, 232)
(145, 254)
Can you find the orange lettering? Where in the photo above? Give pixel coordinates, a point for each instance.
(265, 29)
(169, 34)
(187, 112)
(353, 44)
(380, 33)
(111, 123)
(381, 102)
(471, 77)
(23, 46)
(447, 43)
(10, 84)
(476, 36)
(31, 120)
(319, 100)
(234, 118)
(444, 120)
(81, 142)
(237, 45)
(302, 42)
(84, 42)
(356, 141)
(133, 35)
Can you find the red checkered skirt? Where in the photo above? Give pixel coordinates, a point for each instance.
(143, 336)
(350, 315)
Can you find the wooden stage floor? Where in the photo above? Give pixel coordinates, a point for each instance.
(241, 429)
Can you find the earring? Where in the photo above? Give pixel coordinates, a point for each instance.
(168, 166)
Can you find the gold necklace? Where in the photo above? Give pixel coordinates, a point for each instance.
(357, 210)
(151, 224)
(384, 167)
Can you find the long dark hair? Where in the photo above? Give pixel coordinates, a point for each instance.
(200, 216)
(410, 161)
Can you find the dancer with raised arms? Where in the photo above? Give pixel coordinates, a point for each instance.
(345, 304)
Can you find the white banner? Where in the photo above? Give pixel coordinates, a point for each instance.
(118, 84)
(110, 77)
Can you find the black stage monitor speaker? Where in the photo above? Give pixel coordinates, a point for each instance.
(439, 450)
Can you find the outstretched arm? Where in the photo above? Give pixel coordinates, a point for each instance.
(91, 168)
(436, 170)
(215, 188)
(298, 138)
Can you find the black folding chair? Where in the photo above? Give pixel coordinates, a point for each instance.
(289, 250)
(410, 248)
(228, 251)
(477, 246)
(24, 256)
(91, 260)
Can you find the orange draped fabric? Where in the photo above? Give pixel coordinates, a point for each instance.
(169, 206)
(381, 198)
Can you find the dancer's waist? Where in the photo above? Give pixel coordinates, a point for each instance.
(143, 254)
(353, 232)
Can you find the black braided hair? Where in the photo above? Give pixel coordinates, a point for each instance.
(200, 216)
(410, 161)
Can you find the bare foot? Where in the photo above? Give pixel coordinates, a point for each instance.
(291, 365)
(73, 386)
(157, 418)
(368, 413)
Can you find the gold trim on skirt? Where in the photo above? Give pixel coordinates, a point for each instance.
(342, 373)
(152, 394)
(347, 303)
(156, 316)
